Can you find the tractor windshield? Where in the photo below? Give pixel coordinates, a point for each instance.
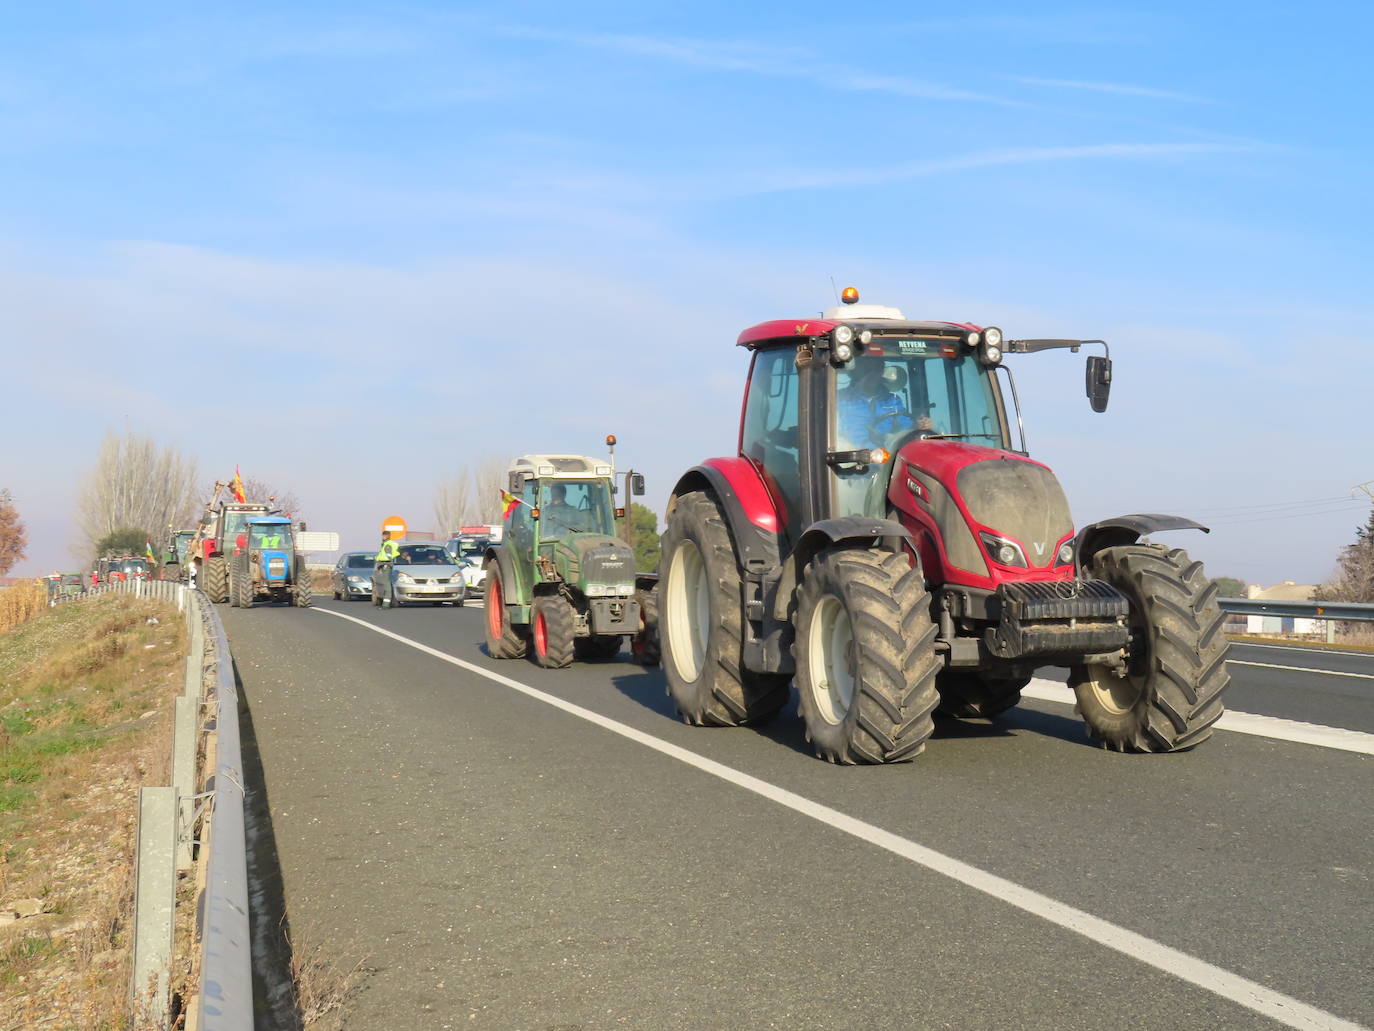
(574, 506)
(272, 536)
(901, 390)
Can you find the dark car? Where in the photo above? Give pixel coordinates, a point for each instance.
(351, 576)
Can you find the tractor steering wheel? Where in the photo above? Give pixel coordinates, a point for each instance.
(898, 422)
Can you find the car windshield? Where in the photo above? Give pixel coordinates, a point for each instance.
(361, 561)
(574, 506)
(134, 565)
(469, 547)
(423, 555)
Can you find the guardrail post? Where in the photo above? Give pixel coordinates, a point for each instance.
(187, 711)
(154, 900)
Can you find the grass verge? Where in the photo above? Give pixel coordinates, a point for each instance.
(85, 720)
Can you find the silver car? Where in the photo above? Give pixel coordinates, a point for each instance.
(421, 572)
(351, 576)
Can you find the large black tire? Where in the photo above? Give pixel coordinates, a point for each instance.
(240, 586)
(701, 623)
(302, 593)
(234, 585)
(599, 646)
(1170, 696)
(214, 579)
(968, 695)
(865, 654)
(552, 626)
(644, 646)
(503, 641)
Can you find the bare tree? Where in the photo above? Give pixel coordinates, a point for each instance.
(13, 538)
(489, 478)
(472, 496)
(135, 484)
(260, 490)
(453, 503)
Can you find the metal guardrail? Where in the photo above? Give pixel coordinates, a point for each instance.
(226, 972)
(1328, 610)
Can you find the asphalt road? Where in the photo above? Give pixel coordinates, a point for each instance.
(499, 862)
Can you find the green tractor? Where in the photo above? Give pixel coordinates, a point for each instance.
(562, 583)
(266, 565)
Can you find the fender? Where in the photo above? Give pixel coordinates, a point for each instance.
(850, 528)
(511, 578)
(748, 509)
(1125, 529)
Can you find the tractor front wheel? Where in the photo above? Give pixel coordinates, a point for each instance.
(234, 587)
(301, 592)
(702, 623)
(503, 642)
(552, 628)
(1168, 696)
(866, 661)
(215, 579)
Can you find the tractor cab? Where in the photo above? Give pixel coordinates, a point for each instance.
(268, 542)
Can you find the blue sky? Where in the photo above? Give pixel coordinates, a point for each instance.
(352, 250)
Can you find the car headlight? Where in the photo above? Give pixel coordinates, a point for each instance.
(1004, 552)
(355, 579)
(404, 578)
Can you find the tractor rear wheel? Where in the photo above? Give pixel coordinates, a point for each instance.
(552, 625)
(702, 623)
(301, 593)
(234, 586)
(598, 646)
(1169, 695)
(865, 652)
(644, 646)
(503, 642)
(974, 696)
(214, 579)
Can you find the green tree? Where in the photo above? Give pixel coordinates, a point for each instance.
(1229, 587)
(126, 540)
(644, 531)
(13, 538)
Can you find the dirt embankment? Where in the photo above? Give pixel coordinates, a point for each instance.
(86, 695)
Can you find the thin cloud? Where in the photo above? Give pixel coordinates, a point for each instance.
(774, 62)
(1118, 88)
(989, 159)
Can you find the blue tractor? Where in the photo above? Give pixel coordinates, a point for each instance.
(267, 565)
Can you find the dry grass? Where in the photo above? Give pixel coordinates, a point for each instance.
(20, 603)
(323, 987)
(85, 720)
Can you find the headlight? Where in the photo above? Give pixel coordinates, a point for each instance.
(1066, 553)
(992, 336)
(842, 353)
(355, 579)
(596, 590)
(404, 578)
(1007, 553)
(990, 355)
(843, 334)
(625, 590)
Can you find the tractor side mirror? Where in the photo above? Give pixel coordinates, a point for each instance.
(513, 482)
(1099, 381)
(637, 484)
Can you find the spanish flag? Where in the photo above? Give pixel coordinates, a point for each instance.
(237, 487)
(508, 503)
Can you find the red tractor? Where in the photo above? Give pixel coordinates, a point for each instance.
(882, 538)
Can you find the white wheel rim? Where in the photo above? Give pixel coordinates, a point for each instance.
(687, 599)
(830, 658)
(1118, 695)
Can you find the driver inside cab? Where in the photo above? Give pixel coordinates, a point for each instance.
(873, 407)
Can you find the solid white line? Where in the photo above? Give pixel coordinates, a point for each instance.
(1241, 722)
(1309, 649)
(1250, 994)
(1301, 669)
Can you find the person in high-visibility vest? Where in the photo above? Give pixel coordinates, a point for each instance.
(270, 539)
(389, 549)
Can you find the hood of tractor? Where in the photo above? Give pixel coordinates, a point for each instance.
(973, 502)
(593, 561)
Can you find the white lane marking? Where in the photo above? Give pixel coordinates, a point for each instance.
(1250, 994)
(1301, 669)
(1240, 722)
(1314, 652)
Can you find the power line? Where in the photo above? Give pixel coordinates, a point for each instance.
(1276, 505)
(1291, 515)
